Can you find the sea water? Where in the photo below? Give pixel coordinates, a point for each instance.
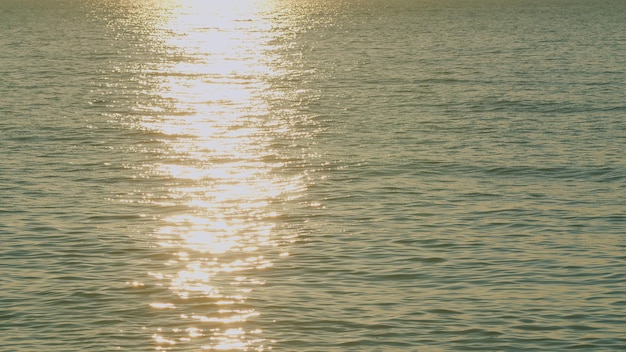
(418, 175)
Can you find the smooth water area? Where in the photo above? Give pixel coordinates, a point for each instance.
(187, 175)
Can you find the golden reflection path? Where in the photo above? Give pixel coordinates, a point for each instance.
(218, 131)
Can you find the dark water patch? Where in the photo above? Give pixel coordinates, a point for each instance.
(430, 260)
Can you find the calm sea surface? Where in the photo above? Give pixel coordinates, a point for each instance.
(187, 175)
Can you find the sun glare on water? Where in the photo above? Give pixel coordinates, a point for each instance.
(217, 133)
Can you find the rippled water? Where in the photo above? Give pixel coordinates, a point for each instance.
(312, 175)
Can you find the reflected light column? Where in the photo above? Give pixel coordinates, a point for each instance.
(221, 173)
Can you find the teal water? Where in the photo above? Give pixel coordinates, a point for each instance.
(312, 176)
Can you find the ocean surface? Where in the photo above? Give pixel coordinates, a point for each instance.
(315, 175)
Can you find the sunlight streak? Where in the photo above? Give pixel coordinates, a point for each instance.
(221, 170)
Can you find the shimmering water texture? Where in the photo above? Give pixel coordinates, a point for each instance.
(312, 175)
